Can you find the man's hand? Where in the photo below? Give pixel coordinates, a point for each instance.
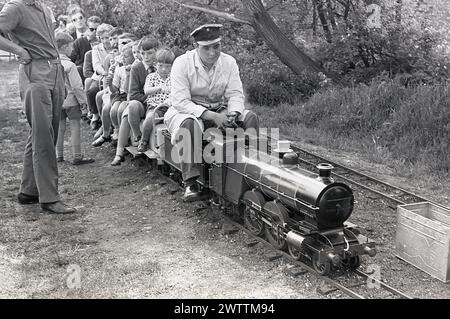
(24, 57)
(220, 120)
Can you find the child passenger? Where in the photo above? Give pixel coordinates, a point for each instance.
(118, 87)
(135, 109)
(157, 88)
(73, 103)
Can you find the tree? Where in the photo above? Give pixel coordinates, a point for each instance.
(257, 16)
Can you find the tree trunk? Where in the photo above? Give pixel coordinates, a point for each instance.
(314, 23)
(323, 20)
(279, 43)
(331, 14)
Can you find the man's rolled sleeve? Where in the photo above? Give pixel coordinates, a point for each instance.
(9, 17)
(180, 90)
(234, 92)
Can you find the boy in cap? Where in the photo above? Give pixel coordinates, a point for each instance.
(206, 92)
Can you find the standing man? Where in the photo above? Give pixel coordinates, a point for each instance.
(41, 84)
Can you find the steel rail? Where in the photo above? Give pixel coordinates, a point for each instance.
(296, 148)
(304, 266)
(352, 181)
(370, 178)
(384, 285)
(349, 292)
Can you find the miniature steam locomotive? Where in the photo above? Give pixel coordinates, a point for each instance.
(296, 210)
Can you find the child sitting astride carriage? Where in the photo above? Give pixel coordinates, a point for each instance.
(157, 88)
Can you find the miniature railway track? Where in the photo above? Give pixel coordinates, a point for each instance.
(347, 289)
(383, 189)
(337, 283)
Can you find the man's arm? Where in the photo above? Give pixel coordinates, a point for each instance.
(88, 70)
(181, 89)
(234, 92)
(9, 19)
(9, 46)
(76, 52)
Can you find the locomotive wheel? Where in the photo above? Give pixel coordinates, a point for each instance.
(352, 263)
(294, 252)
(321, 268)
(253, 221)
(273, 232)
(275, 238)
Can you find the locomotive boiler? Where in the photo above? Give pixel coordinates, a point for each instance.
(296, 210)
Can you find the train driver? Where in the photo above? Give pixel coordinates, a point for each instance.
(206, 92)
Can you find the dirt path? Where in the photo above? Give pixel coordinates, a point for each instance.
(133, 237)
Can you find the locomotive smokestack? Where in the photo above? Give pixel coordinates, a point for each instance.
(325, 172)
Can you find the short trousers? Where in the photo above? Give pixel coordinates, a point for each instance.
(121, 97)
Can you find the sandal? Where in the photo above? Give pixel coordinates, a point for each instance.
(99, 142)
(118, 160)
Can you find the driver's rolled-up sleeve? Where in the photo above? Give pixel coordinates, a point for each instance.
(234, 92)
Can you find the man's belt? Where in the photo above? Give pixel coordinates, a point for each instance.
(49, 61)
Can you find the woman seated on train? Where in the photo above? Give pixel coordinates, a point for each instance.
(206, 92)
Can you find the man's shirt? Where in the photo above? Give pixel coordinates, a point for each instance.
(194, 89)
(29, 24)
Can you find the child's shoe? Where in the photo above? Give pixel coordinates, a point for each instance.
(118, 160)
(142, 147)
(81, 161)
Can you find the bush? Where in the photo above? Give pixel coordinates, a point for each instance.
(413, 122)
(402, 48)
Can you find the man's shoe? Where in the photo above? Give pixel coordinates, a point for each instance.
(25, 199)
(81, 161)
(99, 142)
(192, 194)
(57, 208)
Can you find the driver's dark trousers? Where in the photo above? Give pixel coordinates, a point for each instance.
(191, 167)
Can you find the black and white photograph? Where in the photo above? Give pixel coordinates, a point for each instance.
(225, 157)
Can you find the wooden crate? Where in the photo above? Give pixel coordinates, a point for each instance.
(423, 238)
